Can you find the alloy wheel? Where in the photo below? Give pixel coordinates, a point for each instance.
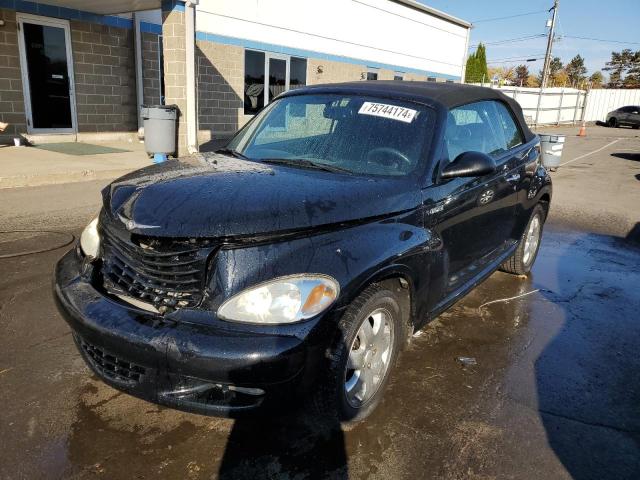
(531, 240)
(369, 358)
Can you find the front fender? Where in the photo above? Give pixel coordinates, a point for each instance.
(354, 256)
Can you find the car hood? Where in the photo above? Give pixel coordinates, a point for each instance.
(211, 195)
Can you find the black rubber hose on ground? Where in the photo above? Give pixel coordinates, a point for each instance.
(70, 239)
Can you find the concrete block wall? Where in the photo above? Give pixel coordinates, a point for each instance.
(414, 77)
(328, 71)
(220, 78)
(11, 96)
(384, 74)
(173, 46)
(151, 68)
(104, 70)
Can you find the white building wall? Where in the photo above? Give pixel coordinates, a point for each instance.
(377, 32)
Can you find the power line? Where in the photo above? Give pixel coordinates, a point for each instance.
(600, 40)
(512, 40)
(530, 58)
(509, 16)
(517, 57)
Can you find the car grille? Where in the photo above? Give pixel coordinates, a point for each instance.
(111, 366)
(166, 273)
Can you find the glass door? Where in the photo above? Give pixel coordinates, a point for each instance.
(47, 75)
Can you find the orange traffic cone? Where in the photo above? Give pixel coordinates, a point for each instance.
(583, 130)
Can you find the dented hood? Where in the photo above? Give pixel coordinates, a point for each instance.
(212, 195)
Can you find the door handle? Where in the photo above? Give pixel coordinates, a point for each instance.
(513, 178)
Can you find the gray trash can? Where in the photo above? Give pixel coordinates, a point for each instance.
(551, 147)
(160, 128)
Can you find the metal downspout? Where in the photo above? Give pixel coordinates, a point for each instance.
(190, 41)
(138, 63)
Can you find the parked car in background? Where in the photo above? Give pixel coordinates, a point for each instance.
(297, 262)
(624, 116)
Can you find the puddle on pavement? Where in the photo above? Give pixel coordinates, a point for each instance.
(567, 350)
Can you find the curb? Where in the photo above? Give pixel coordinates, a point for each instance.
(20, 181)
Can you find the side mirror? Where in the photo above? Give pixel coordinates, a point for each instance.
(469, 164)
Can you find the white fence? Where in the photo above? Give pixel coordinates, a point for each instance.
(552, 106)
(556, 106)
(601, 102)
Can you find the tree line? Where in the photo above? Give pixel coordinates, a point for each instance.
(624, 68)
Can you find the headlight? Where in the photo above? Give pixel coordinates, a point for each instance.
(283, 300)
(90, 240)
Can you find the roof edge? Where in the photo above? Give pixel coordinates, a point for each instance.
(432, 11)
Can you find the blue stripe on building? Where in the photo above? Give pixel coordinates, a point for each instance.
(151, 28)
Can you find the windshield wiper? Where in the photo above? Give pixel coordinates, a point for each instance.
(233, 153)
(304, 163)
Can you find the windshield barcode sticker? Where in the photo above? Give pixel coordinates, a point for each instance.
(393, 112)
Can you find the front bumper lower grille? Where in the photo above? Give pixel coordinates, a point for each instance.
(113, 367)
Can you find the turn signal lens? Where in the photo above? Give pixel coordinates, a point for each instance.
(283, 300)
(319, 297)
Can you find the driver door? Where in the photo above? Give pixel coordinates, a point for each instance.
(475, 217)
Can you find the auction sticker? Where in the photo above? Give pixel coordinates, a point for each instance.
(393, 112)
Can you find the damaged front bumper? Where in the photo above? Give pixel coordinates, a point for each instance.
(216, 369)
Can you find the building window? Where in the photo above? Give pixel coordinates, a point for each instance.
(253, 81)
(372, 74)
(298, 73)
(266, 75)
(399, 76)
(431, 79)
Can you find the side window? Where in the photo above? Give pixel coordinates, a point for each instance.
(486, 127)
(512, 133)
(474, 127)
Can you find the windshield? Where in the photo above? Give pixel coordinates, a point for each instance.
(342, 133)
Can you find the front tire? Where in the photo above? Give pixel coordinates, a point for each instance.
(370, 336)
(613, 122)
(525, 255)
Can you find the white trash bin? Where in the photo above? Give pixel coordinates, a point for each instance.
(160, 128)
(551, 147)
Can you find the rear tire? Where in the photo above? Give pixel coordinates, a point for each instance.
(613, 122)
(522, 260)
(333, 398)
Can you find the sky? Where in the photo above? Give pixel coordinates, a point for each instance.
(608, 20)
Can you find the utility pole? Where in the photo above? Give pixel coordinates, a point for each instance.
(547, 57)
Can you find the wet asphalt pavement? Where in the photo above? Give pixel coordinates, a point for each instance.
(554, 392)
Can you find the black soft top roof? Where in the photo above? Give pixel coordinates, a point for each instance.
(449, 95)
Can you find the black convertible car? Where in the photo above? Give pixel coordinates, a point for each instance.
(297, 262)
